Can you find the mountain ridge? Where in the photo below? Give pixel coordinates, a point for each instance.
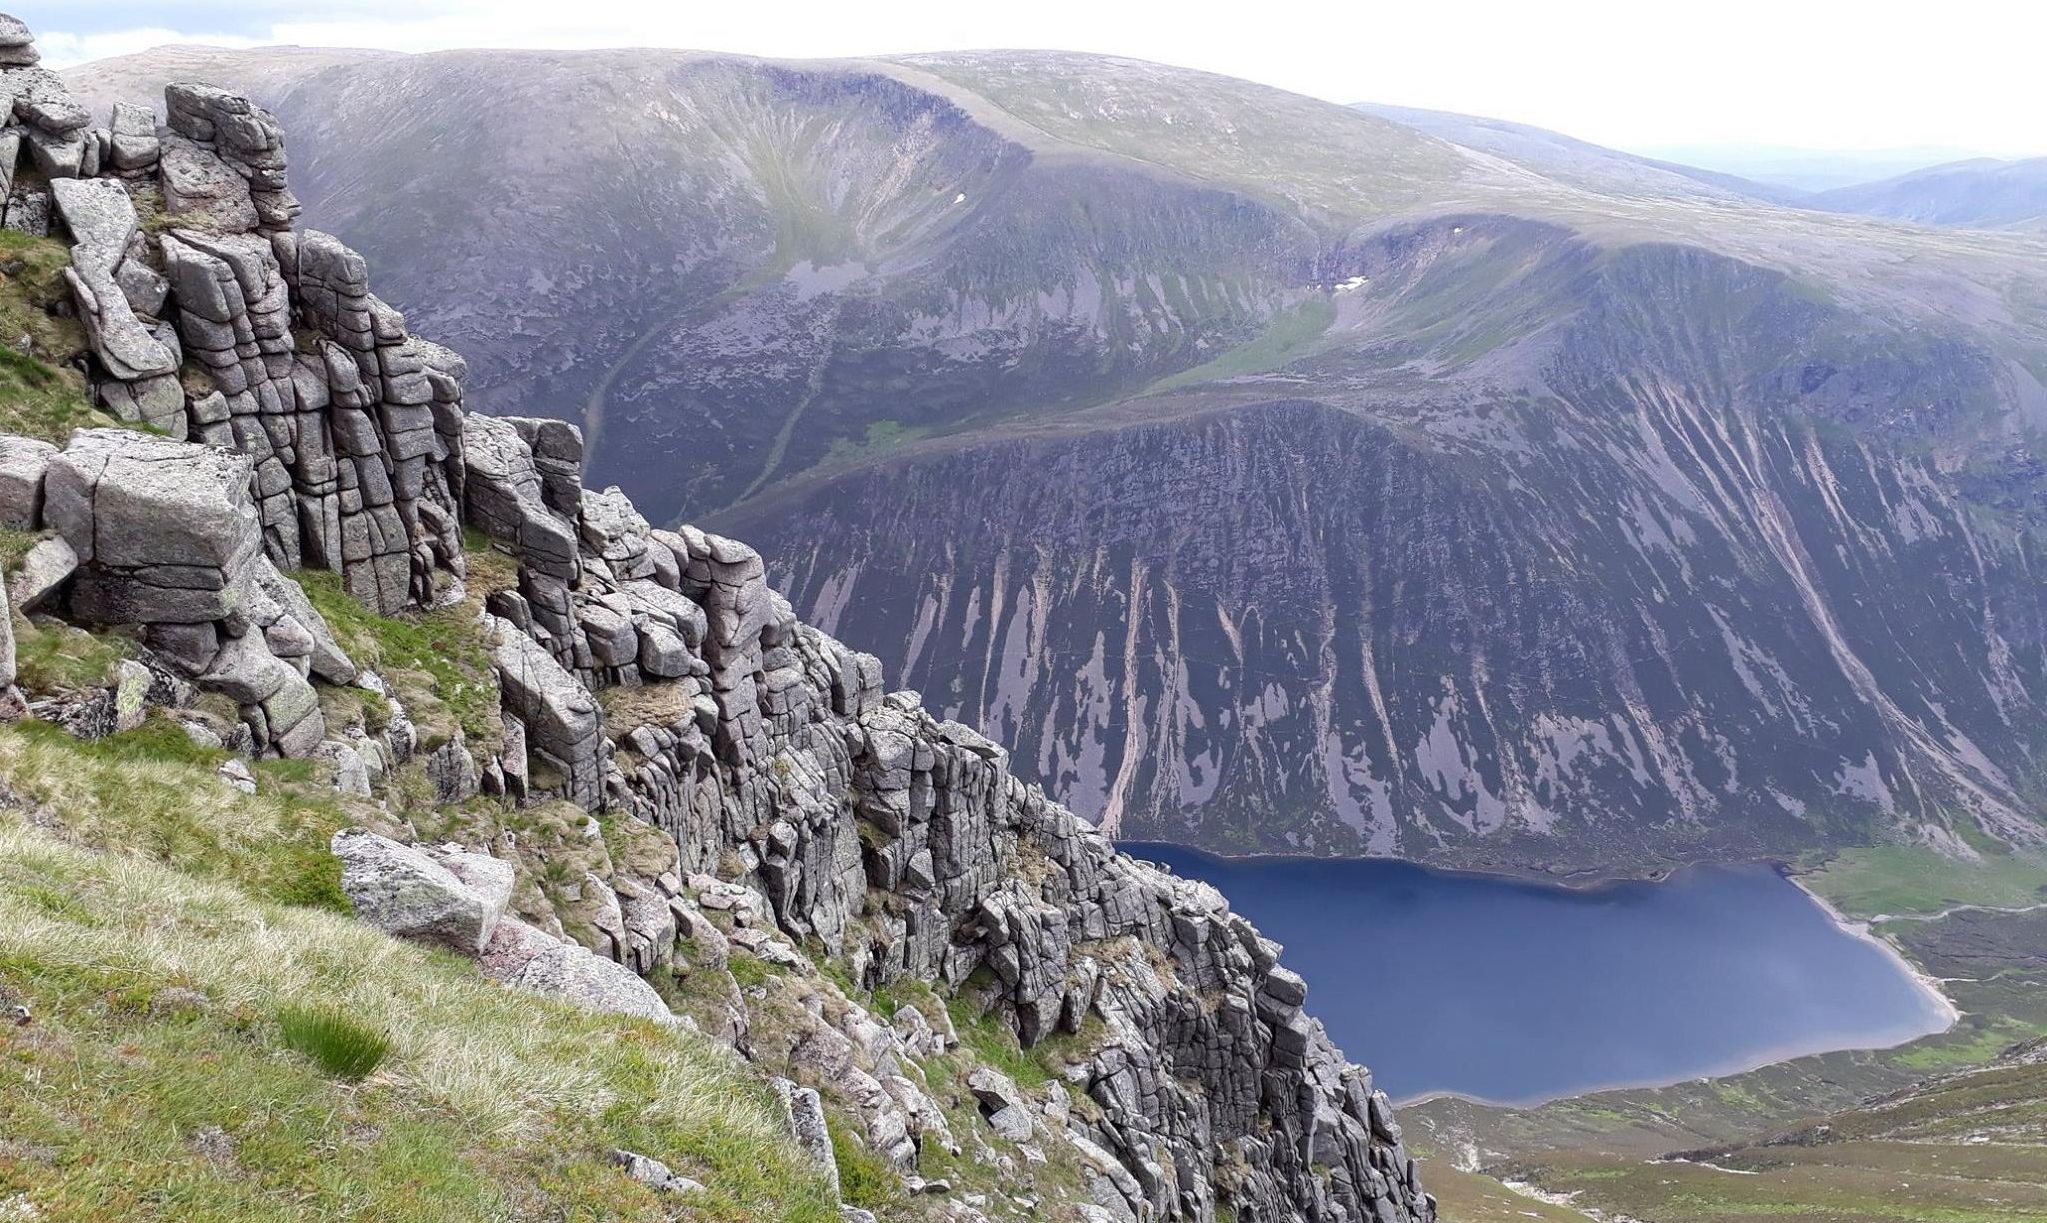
(1567, 357)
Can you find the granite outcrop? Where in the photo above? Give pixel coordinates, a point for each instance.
(283, 419)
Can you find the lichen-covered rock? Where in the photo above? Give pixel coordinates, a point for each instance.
(419, 894)
(17, 43)
(23, 460)
(524, 958)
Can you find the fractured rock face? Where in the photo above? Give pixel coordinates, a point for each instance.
(561, 718)
(506, 497)
(102, 222)
(354, 437)
(164, 536)
(165, 531)
(242, 136)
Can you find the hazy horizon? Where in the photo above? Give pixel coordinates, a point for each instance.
(1833, 78)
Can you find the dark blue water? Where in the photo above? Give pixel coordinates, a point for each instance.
(1518, 992)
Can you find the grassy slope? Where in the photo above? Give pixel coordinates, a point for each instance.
(152, 1083)
(1967, 1147)
(156, 968)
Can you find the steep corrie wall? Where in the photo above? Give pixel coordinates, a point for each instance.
(1733, 578)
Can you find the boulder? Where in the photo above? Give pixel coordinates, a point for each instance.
(51, 110)
(17, 44)
(28, 211)
(653, 1173)
(1005, 1106)
(23, 460)
(407, 892)
(351, 773)
(41, 574)
(165, 531)
(573, 973)
(56, 156)
(132, 682)
(134, 145)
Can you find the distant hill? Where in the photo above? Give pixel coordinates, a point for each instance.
(1808, 169)
(1983, 193)
(1578, 161)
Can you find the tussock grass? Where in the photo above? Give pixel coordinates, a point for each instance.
(663, 703)
(865, 1178)
(153, 993)
(51, 656)
(341, 1046)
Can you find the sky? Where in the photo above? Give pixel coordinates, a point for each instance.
(1643, 74)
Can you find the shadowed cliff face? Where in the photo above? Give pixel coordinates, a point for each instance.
(1274, 475)
(1727, 578)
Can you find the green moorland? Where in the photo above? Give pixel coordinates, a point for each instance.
(166, 931)
(1949, 1128)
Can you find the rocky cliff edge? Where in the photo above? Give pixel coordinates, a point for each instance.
(280, 419)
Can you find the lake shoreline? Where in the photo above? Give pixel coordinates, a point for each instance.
(1928, 984)
(1582, 881)
(1925, 984)
(1866, 931)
